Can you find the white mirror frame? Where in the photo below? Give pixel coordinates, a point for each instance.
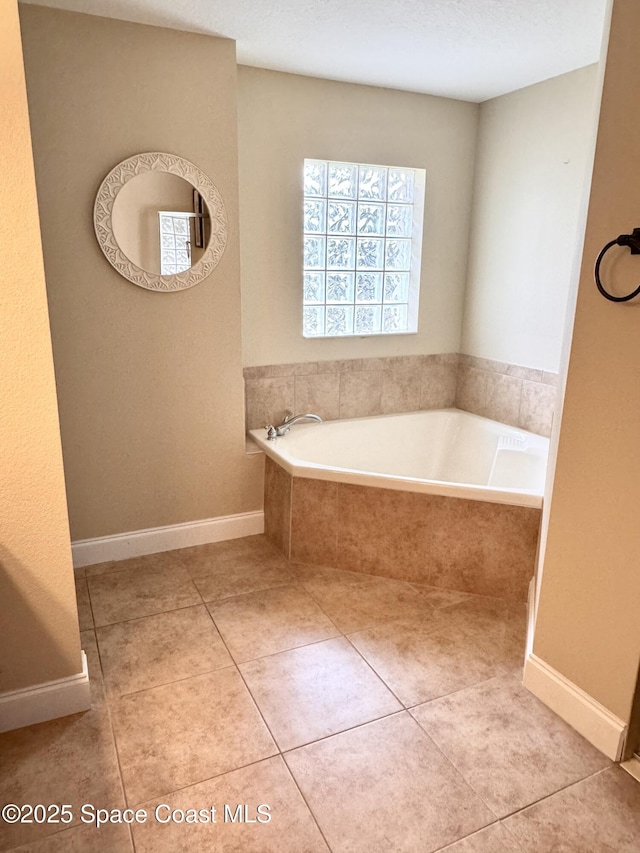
(103, 210)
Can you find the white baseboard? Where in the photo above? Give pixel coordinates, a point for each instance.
(587, 716)
(137, 543)
(46, 701)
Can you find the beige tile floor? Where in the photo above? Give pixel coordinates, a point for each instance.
(368, 714)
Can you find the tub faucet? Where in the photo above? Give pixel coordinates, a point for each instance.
(290, 419)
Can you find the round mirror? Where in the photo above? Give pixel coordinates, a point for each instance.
(160, 222)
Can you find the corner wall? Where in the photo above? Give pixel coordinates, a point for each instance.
(285, 118)
(39, 640)
(588, 618)
(533, 154)
(149, 384)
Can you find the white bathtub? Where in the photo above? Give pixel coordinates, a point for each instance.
(444, 452)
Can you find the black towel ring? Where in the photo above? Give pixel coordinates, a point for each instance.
(633, 242)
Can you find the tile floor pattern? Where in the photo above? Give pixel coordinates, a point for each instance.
(369, 714)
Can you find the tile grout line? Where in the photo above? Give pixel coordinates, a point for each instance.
(113, 734)
(271, 734)
(322, 610)
(119, 696)
(278, 585)
(376, 673)
(151, 615)
(463, 776)
(237, 667)
(503, 674)
(320, 740)
(357, 630)
(43, 838)
(305, 801)
(281, 756)
(559, 791)
(136, 569)
(476, 833)
(510, 834)
(141, 803)
(396, 713)
(520, 398)
(474, 596)
(180, 561)
(93, 619)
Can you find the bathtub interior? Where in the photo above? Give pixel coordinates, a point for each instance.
(446, 446)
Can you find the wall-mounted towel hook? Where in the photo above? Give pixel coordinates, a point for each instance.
(633, 242)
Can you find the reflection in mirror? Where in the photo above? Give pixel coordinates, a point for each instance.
(161, 223)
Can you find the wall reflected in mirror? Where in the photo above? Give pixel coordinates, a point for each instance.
(161, 223)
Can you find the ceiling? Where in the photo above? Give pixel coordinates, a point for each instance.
(467, 49)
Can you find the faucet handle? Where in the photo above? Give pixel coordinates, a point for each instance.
(272, 432)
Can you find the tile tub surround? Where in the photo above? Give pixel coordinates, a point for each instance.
(450, 543)
(351, 388)
(518, 396)
(354, 388)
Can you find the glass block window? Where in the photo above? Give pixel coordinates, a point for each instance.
(362, 248)
(175, 242)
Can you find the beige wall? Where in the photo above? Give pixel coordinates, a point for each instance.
(588, 625)
(534, 147)
(39, 638)
(149, 384)
(284, 118)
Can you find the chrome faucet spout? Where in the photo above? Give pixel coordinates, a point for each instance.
(274, 432)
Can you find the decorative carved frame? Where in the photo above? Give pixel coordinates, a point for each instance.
(103, 210)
